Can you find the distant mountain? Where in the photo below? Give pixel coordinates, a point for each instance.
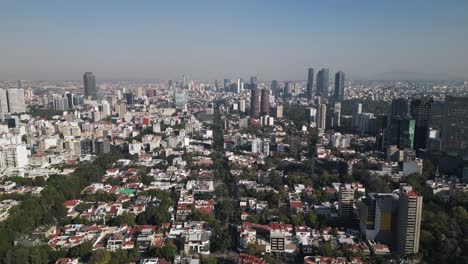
(412, 76)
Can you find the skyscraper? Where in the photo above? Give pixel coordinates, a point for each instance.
(3, 101)
(255, 103)
(401, 132)
(70, 98)
(180, 100)
(275, 87)
(310, 81)
(455, 125)
(400, 107)
(129, 97)
(339, 86)
(89, 83)
(227, 82)
(279, 110)
(409, 221)
(265, 104)
(60, 103)
(240, 85)
(357, 109)
(322, 84)
(16, 102)
(420, 110)
(337, 115)
(287, 91)
(322, 113)
(253, 82)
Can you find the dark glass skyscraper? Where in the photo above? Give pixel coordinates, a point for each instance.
(339, 86)
(265, 104)
(400, 107)
(255, 103)
(455, 125)
(322, 84)
(420, 110)
(89, 83)
(253, 82)
(275, 87)
(310, 82)
(70, 100)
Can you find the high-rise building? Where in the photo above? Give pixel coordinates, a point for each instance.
(378, 217)
(400, 107)
(420, 110)
(227, 82)
(346, 200)
(287, 91)
(89, 83)
(310, 113)
(322, 113)
(101, 146)
(265, 103)
(409, 221)
(70, 99)
(279, 110)
(357, 109)
(140, 92)
(253, 82)
(60, 103)
(16, 102)
(310, 82)
(240, 85)
(242, 105)
(339, 86)
(275, 87)
(121, 109)
(129, 98)
(3, 101)
(336, 120)
(322, 84)
(401, 132)
(255, 103)
(13, 156)
(86, 146)
(106, 108)
(180, 100)
(455, 125)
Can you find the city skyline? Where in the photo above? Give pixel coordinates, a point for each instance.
(58, 40)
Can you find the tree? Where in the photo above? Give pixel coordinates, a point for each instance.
(251, 248)
(210, 260)
(124, 219)
(100, 256)
(169, 251)
(326, 249)
(311, 220)
(225, 210)
(82, 250)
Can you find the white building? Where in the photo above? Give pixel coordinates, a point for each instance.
(16, 102)
(14, 156)
(3, 101)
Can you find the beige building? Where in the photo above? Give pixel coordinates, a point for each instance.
(409, 221)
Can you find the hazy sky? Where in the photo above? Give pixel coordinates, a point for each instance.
(42, 39)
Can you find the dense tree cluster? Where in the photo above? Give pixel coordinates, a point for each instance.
(47, 209)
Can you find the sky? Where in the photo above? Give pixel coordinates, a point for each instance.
(216, 39)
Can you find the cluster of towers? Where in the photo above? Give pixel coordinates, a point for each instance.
(322, 85)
